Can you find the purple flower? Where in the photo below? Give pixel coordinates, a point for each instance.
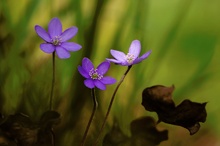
(56, 40)
(95, 76)
(132, 56)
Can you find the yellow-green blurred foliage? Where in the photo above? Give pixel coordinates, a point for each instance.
(184, 37)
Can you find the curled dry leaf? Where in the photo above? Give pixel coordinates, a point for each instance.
(187, 114)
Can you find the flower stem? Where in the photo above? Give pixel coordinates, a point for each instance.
(110, 105)
(53, 81)
(52, 137)
(95, 105)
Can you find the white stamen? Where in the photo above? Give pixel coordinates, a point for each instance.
(56, 40)
(94, 74)
(130, 58)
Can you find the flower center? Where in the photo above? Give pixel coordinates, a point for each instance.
(130, 58)
(56, 40)
(95, 75)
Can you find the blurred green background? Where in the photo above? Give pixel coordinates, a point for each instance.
(184, 37)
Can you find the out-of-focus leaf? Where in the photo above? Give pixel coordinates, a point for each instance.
(20, 129)
(1, 118)
(115, 137)
(143, 133)
(48, 119)
(187, 114)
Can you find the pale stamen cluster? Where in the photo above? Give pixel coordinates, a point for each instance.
(94, 74)
(130, 58)
(56, 40)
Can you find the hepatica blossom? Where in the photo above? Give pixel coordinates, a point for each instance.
(56, 40)
(132, 57)
(95, 76)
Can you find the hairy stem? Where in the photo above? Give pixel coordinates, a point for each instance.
(110, 105)
(53, 81)
(52, 137)
(95, 105)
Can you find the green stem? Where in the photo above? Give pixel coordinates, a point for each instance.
(53, 81)
(95, 105)
(110, 105)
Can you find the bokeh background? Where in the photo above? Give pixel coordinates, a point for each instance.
(184, 37)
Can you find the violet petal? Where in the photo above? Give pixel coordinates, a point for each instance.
(99, 85)
(42, 33)
(71, 46)
(55, 27)
(83, 72)
(135, 48)
(103, 67)
(89, 83)
(47, 48)
(108, 80)
(62, 53)
(87, 64)
(125, 63)
(144, 56)
(118, 55)
(113, 60)
(69, 33)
